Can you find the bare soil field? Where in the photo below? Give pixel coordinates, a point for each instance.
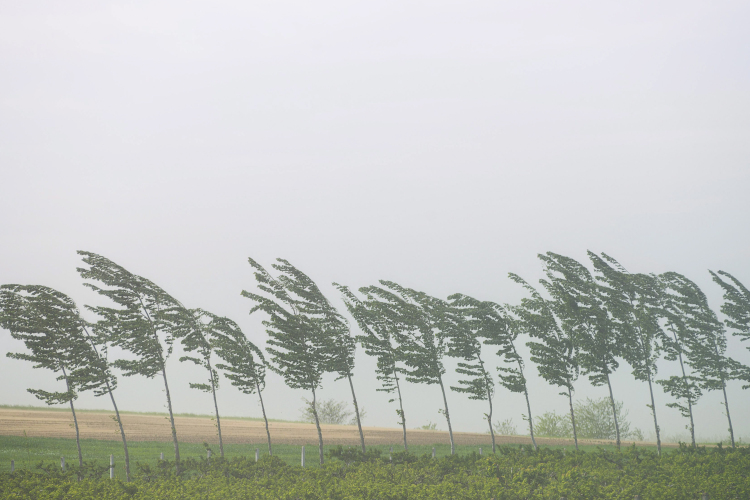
(93, 425)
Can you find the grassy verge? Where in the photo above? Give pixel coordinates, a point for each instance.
(29, 451)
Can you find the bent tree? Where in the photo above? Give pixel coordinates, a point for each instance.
(736, 307)
(675, 312)
(243, 363)
(634, 302)
(422, 338)
(50, 325)
(318, 313)
(300, 350)
(197, 338)
(379, 329)
(465, 342)
(146, 323)
(579, 304)
(511, 376)
(706, 340)
(555, 352)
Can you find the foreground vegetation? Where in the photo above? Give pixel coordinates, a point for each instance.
(29, 452)
(512, 473)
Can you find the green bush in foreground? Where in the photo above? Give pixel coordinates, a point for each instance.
(513, 473)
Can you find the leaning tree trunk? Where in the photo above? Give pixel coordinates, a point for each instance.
(572, 417)
(265, 419)
(356, 412)
(488, 386)
(726, 405)
(216, 409)
(614, 411)
(653, 410)
(726, 402)
(117, 412)
(489, 419)
(687, 391)
(317, 424)
(447, 415)
(75, 420)
(122, 433)
(528, 404)
(401, 409)
(171, 421)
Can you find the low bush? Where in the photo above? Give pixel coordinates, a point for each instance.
(512, 473)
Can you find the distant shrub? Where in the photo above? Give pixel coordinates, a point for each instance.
(331, 412)
(506, 427)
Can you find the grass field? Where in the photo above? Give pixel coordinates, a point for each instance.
(29, 451)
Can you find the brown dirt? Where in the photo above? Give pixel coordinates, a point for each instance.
(41, 423)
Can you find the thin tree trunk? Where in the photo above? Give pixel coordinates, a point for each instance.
(531, 424)
(687, 390)
(171, 421)
(265, 419)
(216, 408)
(75, 421)
(488, 385)
(726, 402)
(447, 415)
(614, 411)
(572, 417)
(122, 433)
(489, 419)
(117, 412)
(356, 412)
(528, 403)
(401, 408)
(653, 410)
(317, 424)
(726, 405)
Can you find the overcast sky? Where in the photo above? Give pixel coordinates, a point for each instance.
(440, 145)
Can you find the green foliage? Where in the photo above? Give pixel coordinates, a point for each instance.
(593, 421)
(552, 348)
(699, 329)
(506, 427)
(465, 336)
(300, 344)
(513, 473)
(146, 322)
(57, 339)
(351, 455)
(429, 426)
(330, 412)
(550, 424)
(736, 307)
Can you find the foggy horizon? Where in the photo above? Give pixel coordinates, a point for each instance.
(440, 146)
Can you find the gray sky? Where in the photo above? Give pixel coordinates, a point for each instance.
(437, 144)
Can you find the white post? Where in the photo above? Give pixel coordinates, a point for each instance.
(390, 454)
(480, 451)
(303, 455)
(62, 463)
(12, 466)
(433, 452)
(256, 454)
(111, 466)
(161, 457)
(208, 456)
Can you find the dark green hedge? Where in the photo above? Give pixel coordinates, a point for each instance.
(514, 473)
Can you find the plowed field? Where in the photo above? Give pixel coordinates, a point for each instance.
(41, 423)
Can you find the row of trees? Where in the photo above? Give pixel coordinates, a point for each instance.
(579, 322)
